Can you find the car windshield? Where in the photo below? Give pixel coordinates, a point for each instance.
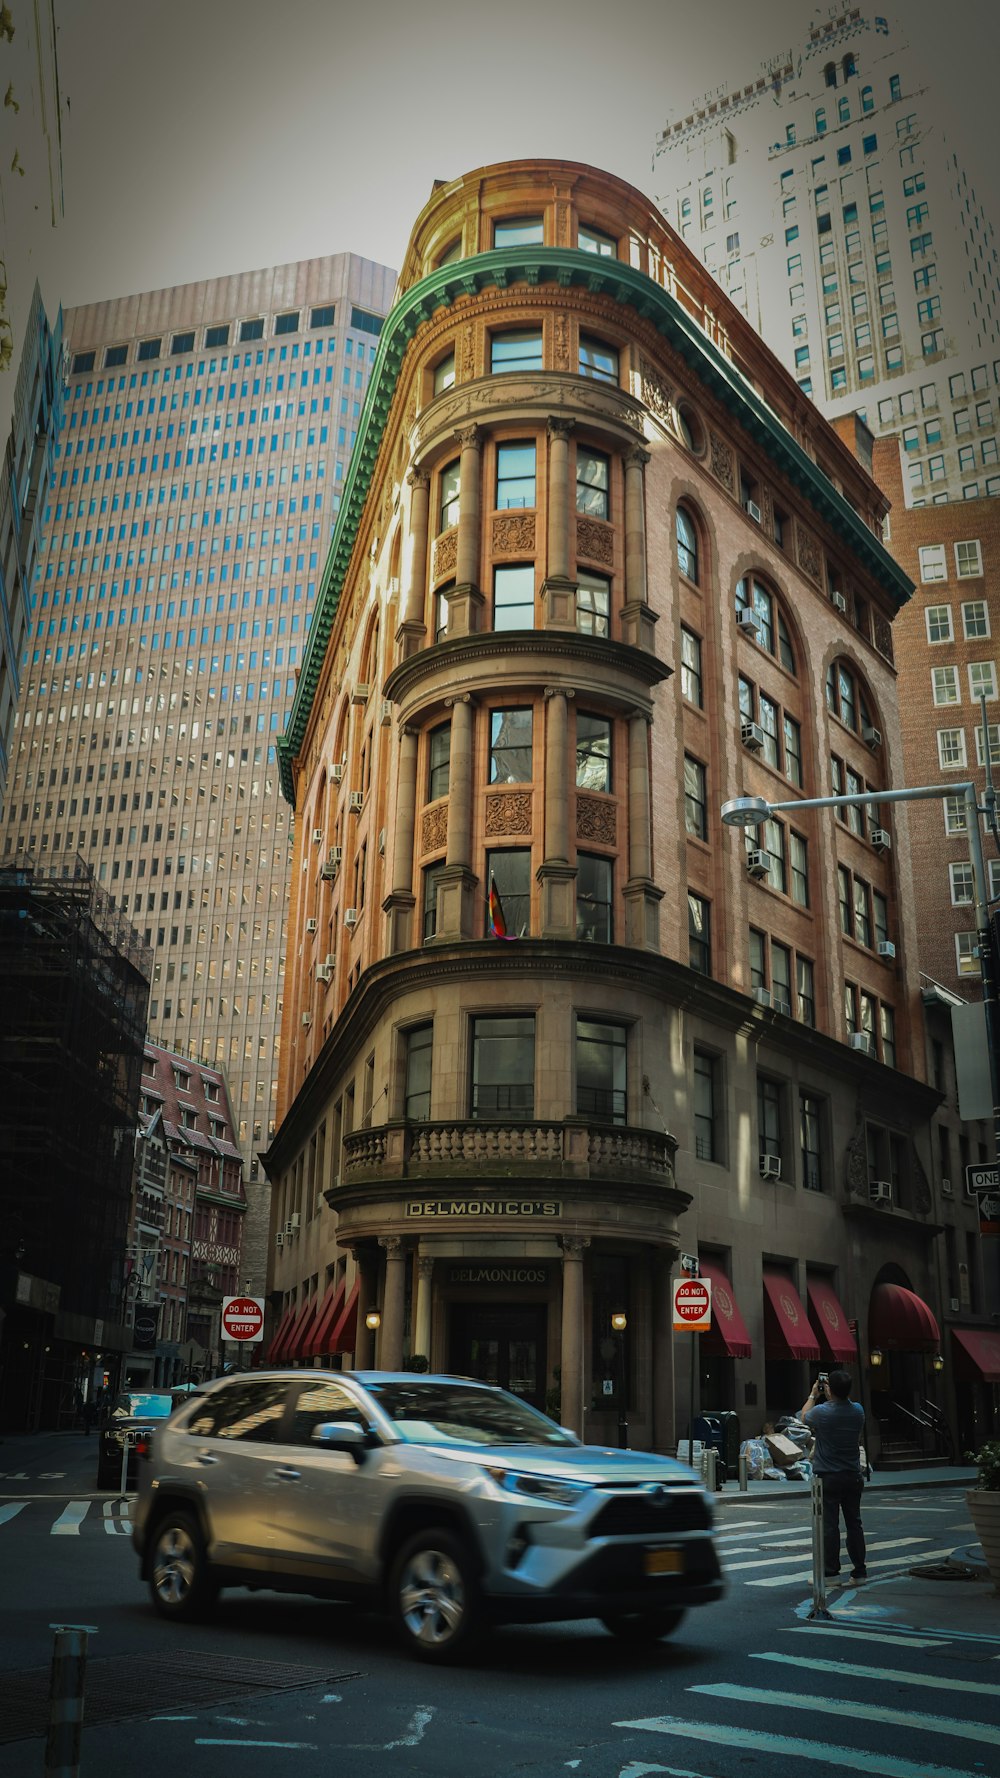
(451, 1413)
(133, 1406)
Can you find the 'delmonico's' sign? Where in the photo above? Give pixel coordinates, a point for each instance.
(483, 1207)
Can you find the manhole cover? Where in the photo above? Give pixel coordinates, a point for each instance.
(141, 1685)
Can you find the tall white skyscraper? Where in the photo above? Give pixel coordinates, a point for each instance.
(826, 199)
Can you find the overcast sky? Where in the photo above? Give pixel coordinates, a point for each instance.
(213, 136)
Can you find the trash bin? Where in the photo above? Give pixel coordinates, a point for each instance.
(708, 1428)
(729, 1426)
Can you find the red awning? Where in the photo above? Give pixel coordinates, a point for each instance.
(900, 1321)
(301, 1331)
(787, 1333)
(830, 1323)
(345, 1328)
(982, 1347)
(727, 1336)
(276, 1347)
(319, 1339)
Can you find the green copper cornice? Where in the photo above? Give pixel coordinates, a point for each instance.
(569, 268)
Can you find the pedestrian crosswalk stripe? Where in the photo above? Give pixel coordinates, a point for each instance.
(115, 1527)
(885, 1562)
(768, 1561)
(69, 1521)
(855, 1670)
(981, 1732)
(856, 1635)
(850, 1759)
(11, 1512)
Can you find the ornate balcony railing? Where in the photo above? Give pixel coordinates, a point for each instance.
(453, 1147)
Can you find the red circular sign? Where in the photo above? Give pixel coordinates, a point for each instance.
(242, 1318)
(692, 1300)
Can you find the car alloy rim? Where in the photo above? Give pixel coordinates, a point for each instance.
(173, 1569)
(432, 1597)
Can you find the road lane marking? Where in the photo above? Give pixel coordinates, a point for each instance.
(114, 1527)
(834, 1629)
(299, 1746)
(889, 1543)
(874, 1569)
(854, 1670)
(416, 1726)
(981, 1732)
(68, 1522)
(852, 1759)
(10, 1512)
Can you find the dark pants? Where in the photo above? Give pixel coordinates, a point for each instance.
(842, 1494)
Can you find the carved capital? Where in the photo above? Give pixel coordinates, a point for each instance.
(637, 714)
(637, 457)
(558, 691)
(573, 1246)
(470, 437)
(460, 697)
(418, 480)
(559, 428)
(425, 1268)
(393, 1246)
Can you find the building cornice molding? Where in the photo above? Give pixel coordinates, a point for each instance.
(547, 647)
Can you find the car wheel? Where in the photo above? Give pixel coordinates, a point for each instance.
(434, 1595)
(180, 1579)
(642, 1626)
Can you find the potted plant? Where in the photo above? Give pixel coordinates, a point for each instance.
(984, 1505)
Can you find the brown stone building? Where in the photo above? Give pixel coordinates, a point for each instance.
(600, 565)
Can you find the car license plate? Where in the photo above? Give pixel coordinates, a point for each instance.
(664, 1561)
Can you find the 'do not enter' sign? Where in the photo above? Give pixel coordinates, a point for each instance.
(692, 1305)
(243, 1318)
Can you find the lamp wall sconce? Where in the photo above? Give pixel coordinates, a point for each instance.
(373, 1320)
(937, 1362)
(619, 1323)
(874, 1358)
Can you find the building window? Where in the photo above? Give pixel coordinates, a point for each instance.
(781, 977)
(774, 842)
(944, 685)
(594, 923)
(951, 748)
(592, 486)
(417, 1087)
(799, 860)
(707, 1133)
(695, 802)
(441, 609)
(687, 544)
(439, 758)
(975, 620)
(699, 934)
(593, 752)
(887, 1032)
(519, 231)
(968, 560)
(432, 877)
(993, 736)
(938, 621)
(515, 476)
(600, 1071)
(115, 355)
(444, 374)
(845, 698)
(593, 604)
(503, 1067)
(597, 359)
(954, 815)
(769, 1118)
(288, 322)
(450, 487)
(962, 885)
(252, 330)
(217, 336)
(148, 349)
(520, 349)
(806, 990)
(691, 684)
(514, 598)
(510, 746)
(810, 1147)
(590, 240)
(181, 343)
(772, 631)
(982, 680)
(510, 870)
(967, 953)
(323, 316)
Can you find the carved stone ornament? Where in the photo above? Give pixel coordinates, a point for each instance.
(574, 1246)
(560, 428)
(560, 342)
(514, 533)
(809, 558)
(856, 1171)
(434, 828)
(510, 813)
(445, 554)
(721, 462)
(468, 353)
(418, 479)
(596, 819)
(470, 437)
(883, 635)
(767, 510)
(656, 395)
(595, 540)
(562, 224)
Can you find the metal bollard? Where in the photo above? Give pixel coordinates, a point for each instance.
(69, 1667)
(743, 1467)
(819, 1605)
(709, 1460)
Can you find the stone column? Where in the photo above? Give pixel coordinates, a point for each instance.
(661, 1336)
(457, 883)
(559, 586)
(571, 1413)
(637, 618)
(642, 898)
(390, 1346)
(399, 903)
(366, 1261)
(422, 1317)
(555, 873)
(465, 600)
(412, 631)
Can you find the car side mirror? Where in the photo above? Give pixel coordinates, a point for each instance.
(342, 1435)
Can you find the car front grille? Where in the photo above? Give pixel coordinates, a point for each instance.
(643, 1515)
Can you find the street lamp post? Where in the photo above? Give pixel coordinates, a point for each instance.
(619, 1322)
(753, 811)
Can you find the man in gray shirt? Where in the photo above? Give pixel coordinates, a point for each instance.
(837, 1423)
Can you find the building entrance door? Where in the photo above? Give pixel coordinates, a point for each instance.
(501, 1343)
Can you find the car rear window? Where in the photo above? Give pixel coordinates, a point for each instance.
(135, 1405)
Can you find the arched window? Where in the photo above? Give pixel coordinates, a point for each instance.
(830, 73)
(867, 99)
(846, 698)
(771, 628)
(821, 120)
(844, 110)
(686, 533)
(850, 66)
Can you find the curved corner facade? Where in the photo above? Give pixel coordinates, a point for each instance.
(599, 567)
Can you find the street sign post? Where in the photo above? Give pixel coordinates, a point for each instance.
(982, 1179)
(989, 1213)
(243, 1319)
(692, 1305)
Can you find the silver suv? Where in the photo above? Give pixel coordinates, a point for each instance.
(445, 1502)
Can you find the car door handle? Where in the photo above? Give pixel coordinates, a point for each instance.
(284, 1474)
(205, 1458)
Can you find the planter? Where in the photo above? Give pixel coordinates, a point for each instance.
(984, 1510)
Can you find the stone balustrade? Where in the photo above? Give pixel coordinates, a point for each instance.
(554, 1150)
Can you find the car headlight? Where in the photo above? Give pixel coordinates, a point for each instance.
(540, 1487)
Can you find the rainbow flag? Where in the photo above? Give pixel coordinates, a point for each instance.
(498, 925)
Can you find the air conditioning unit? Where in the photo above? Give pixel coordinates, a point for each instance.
(330, 962)
(351, 917)
(307, 1019)
(879, 1191)
(386, 717)
(838, 600)
(279, 1239)
(317, 836)
(311, 925)
(330, 865)
(783, 1006)
(946, 1190)
(770, 1166)
(751, 507)
(292, 1225)
(862, 1042)
(747, 619)
(323, 972)
(886, 949)
(954, 1304)
(871, 736)
(762, 996)
(881, 839)
(356, 801)
(336, 773)
(360, 694)
(758, 863)
(752, 736)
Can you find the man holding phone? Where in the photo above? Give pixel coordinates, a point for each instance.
(837, 1424)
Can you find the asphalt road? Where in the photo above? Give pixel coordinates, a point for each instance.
(286, 1685)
